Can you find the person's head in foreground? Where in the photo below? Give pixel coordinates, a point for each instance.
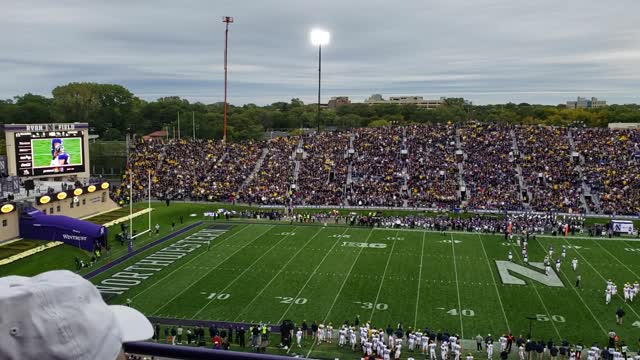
(60, 315)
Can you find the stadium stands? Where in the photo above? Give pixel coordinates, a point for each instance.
(472, 166)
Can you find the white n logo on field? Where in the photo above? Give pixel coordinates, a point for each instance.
(504, 267)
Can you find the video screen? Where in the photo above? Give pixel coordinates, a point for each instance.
(51, 153)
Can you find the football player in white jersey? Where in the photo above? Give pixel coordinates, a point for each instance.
(510, 256)
(564, 252)
(547, 269)
(574, 264)
(607, 296)
(320, 333)
(299, 337)
(424, 341)
(432, 350)
(386, 354)
(572, 354)
(469, 357)
(558, 265)
(521, 352)
(503, 343)
(329, 333)
(342, 337)
(457, 349)
(352, 339)
(452, 339)
(490, 350)
(627, 292)
(411, 345)
(398, 350)
(444, 350)
(596, 352)
(550, 251)
(367, 348)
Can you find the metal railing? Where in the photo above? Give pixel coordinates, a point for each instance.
(194, 353)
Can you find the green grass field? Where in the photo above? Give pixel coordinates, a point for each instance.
(17, 247)
(42, 151)
(271, 272)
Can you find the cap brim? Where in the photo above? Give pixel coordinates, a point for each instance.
(133, 325)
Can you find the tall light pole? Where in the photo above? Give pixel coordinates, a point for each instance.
(227, 20)
(319, 38)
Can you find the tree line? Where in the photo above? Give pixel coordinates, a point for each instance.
(113, 111)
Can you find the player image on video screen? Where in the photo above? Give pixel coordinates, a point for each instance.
(59, 158)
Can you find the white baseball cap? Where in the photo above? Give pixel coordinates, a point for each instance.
(60, 315)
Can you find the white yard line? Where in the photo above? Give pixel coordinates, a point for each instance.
(310, 277)
(504, 313)
(208, 272)
(618, 260)
(196, 257)
(373, 308)
(599, 274)
(335, 299)
(577, 293)
(415, 317)
(275, 276)
(546, 310)
(455, 270)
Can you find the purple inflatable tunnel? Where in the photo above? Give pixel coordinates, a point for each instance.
(83, 234)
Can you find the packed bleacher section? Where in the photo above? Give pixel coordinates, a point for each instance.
(547, 168)
(504, 167)
(610, 167)
(323, 170)
(377, 168)
(271, 185)
(489, 169)
(433, 171)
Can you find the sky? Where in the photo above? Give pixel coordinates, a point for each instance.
(487, 51)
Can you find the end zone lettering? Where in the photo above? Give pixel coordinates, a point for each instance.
(143, 269)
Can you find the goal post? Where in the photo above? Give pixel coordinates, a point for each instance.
(148, 229)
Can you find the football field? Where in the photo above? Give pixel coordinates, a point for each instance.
(452, 281)
(42, 151)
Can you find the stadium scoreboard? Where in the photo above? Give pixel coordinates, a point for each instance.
(47, 150)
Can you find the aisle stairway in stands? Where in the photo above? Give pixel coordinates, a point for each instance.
(526, 202)
(404, 154)
(298, 154)
(350, 155)
(255, 170)
(586, 189)
(460, 156)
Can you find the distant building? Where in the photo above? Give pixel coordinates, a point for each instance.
(624, 126)
(418, 101)
(338, 101)
(584, 103)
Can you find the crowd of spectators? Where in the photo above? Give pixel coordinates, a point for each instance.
(432, 167)
(489, 168)
(323, 170)
(611, 167)
(414, 166)
(547, 168)
(377, 168)
(271, 185)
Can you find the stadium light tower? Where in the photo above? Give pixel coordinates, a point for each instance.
(227, 20)
(319, 38)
